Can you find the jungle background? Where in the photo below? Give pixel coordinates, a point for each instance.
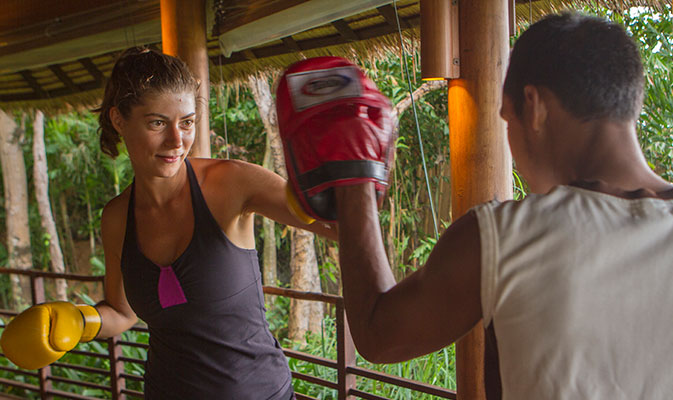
(81, 180)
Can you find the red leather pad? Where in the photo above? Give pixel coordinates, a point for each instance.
(336, 129)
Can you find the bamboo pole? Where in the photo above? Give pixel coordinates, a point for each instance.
(481, 167)
(183, 35)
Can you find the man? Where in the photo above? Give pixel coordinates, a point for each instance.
(575, 279)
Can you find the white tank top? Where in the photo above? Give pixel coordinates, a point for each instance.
(579, 287)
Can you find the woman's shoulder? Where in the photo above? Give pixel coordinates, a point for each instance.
(216, 170)
(116, 209)
(216, 163)
(118, 201)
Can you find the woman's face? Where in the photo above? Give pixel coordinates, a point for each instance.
(159, 132)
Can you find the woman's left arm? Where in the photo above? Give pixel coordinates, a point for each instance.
(266, 196)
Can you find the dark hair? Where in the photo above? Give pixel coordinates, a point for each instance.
(589, 63)
(137, 72)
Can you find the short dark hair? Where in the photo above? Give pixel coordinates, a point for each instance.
(589, 63)
(137, 72)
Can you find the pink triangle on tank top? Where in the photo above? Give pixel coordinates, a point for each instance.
(170, 291)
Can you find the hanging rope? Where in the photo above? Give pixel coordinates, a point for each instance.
(418, 129)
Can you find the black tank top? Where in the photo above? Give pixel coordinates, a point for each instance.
(209, 338)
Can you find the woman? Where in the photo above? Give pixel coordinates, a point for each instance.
(179, 243)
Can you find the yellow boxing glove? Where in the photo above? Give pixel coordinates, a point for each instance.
(45, 332)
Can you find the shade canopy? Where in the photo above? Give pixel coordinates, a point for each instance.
(56, 54)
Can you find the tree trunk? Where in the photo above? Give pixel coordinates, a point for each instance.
(269, 226)
(16, 206)
(115, 175)
(333, 254)
(67, 232)
(421, 91)
(262, 94)
(41, 181)
(392, 233)
(304, 315)
(89, 216)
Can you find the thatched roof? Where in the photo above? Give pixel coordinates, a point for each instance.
(527, 11)
(55, 64)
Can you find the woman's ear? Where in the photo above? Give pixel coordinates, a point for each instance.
(117, 120)
(535, 108)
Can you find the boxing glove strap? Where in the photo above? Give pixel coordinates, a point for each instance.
(340, 170)
(92, 322)
(295, 208)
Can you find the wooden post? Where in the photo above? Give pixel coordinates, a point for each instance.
(439, 39)
(38, 297)
(345, 354)
(117, 382)
(183, 35)
(481, 166)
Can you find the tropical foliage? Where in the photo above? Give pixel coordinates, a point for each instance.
(82, 180)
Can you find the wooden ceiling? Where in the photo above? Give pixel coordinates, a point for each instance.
(51, 25)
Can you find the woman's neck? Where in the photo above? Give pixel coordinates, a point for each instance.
(156, 192)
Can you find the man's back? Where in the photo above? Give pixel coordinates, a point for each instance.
(577, 285)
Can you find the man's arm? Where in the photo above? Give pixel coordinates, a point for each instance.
(428, 310)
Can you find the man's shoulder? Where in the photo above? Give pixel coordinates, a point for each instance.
(535, 209)
(532, 202)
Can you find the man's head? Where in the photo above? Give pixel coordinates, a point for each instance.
(591, 65)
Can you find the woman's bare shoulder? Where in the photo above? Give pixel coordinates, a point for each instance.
(113, 219)
(209, 170)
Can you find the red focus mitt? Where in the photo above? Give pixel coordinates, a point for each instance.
(336, 129)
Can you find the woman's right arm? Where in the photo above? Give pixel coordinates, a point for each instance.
(116, 313)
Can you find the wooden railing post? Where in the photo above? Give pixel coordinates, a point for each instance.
(117, 382)
(345, 354)
(38, 296)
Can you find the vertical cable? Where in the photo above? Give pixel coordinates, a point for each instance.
(418, 129)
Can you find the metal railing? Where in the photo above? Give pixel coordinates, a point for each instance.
(346, 370)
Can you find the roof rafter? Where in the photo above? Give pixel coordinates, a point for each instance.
(92, 69)
(344, 30)
(63, 77)
(32, 82)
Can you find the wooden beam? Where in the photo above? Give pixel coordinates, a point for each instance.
(183, 33)
(28, 77)
(345, 30)
(63, 77)
(18, 13)
(291, 43)
(93, 70)
(248, 54)
(110, 16)
(51, 94)
(314, 43)
(388, 12)
(481, 165)
(240, 12)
